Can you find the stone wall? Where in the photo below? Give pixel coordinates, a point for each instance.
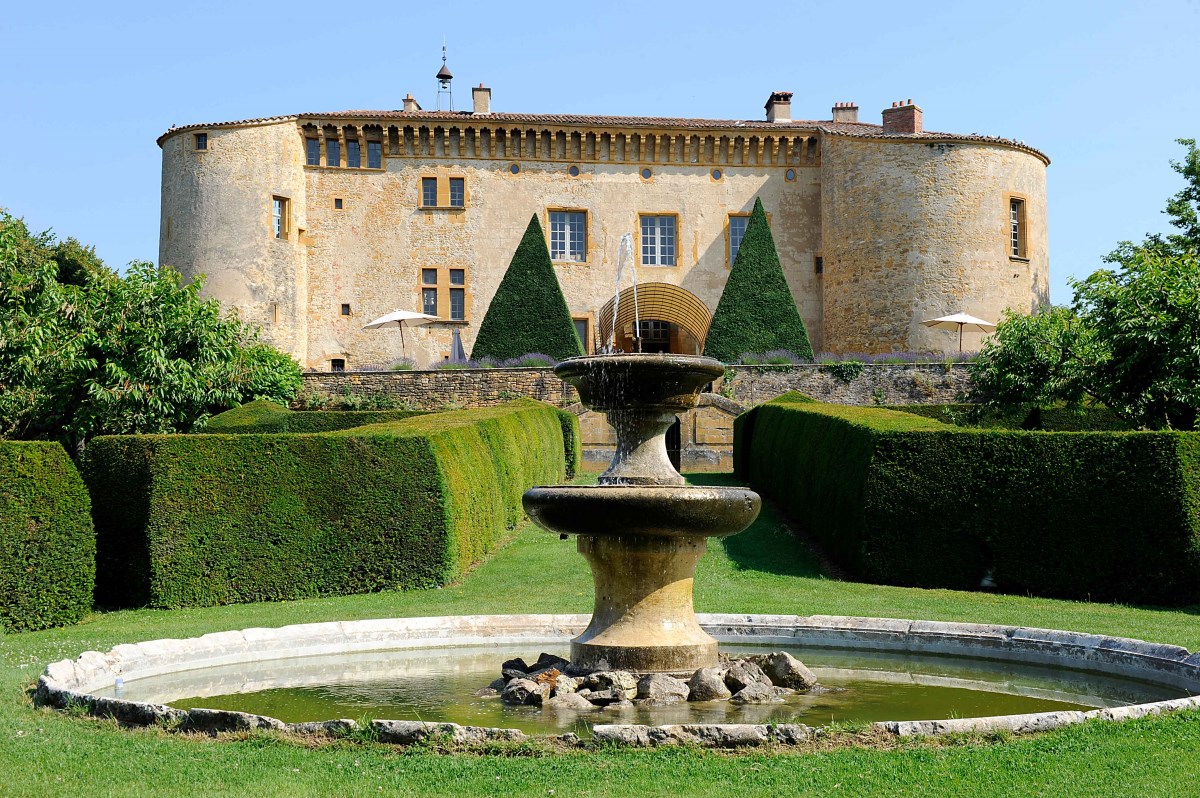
(706, 432)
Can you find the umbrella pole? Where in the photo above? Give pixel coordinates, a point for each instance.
(960, 329)
(402, 353)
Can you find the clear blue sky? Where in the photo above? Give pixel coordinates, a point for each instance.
(1103, 88)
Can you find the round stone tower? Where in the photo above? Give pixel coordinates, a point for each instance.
(915, 227)
(233, 210)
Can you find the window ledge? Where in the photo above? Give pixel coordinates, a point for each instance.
(452, 322)
(1018, 259)
(345, 168)
(442, 207)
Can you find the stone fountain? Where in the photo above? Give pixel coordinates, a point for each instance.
(642, 529)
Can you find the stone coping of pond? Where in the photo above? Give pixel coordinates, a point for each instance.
(72, 682)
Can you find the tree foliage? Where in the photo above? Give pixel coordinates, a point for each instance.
(85, 351)
(1131, 338)
(756, 312)
(528, 312)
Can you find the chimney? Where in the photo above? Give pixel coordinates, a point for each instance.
(482, 97)
(779, 107)
(845, 112)
(410, 104)
(902, 117)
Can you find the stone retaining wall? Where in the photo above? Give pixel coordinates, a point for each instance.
(706, 433)
(746, 385)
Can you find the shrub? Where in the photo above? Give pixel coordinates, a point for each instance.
(264, 416)
(756, 311)
(47, 544)
(901, 499)
(528, 312)
(199, 520)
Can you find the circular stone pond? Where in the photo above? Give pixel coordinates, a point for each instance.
(414, 677)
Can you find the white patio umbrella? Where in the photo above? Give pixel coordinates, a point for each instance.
(957, 321)
(398, 318)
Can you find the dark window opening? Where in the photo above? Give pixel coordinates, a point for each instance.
(353, 154)
(333, 152)
(337, 203)
(312, 150)
(374, 154)
(458, 304)
(819, 264)
(429, 304)
(337, 364)
(458, 192)
(429, 192)
(345, 309)
(202, 141)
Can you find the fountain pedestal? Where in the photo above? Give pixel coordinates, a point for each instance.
(642, 529)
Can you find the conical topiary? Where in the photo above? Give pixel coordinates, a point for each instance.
(528, 312)
(756, 312)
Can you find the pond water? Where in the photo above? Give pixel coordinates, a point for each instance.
(437, 685)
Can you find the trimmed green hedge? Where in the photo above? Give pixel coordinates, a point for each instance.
(197, 520)
(528, 313)
(901, 499)
(47, 544)
(756, 311)
(1050, 419)
(263, 416)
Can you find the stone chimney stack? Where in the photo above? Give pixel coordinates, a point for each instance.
(410, 104)
(482, 98)
(779, 107)
(902, 117)
(845, 112)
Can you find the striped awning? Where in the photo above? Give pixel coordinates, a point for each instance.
(661, 301)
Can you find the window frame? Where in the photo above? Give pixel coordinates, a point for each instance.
(1017, 227)
(641, 242)
(730, 255)
(425, 184)
(312, 147)
(281, 230)
(333, 367)
(566, 254)
(443, 290)
(357, 158)
(197, 139)
(589, 325)
(377, 146)
(336, 144)
(462, 198)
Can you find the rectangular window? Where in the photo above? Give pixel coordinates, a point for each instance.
(458, 277)
(1016, 227)
(582, 325)
(458, 192)
(658, 240)
(429, 303)
(568, 235)
(338, 204)
(279, 216)
(312, 151)
(429, 276)
(374, 154)
(353, 154)
(458, 304)
(202, 141)
(818, 264)
(337, 364)
(333, 152)
(429, 192)
(737, 230)
(345, 308)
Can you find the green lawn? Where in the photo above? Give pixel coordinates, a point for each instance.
(762, 570)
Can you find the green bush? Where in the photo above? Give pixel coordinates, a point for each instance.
(901, 499)
(47, 544)
(1049, 419)
(264, 416)
(198, 520)
(756, 312)
(528, 312)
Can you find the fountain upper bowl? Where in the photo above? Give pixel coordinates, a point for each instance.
(639, 381)
(642, 510)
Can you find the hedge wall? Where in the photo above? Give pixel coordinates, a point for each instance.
(901, 499)
(197, 520)
(1049, 419)
(47, 544)
(263, 416)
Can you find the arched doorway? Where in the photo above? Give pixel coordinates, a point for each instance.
(670, 319)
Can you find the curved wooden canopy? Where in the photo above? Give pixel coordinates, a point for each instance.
(661, 301)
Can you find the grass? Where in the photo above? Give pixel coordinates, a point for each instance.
(761, 570)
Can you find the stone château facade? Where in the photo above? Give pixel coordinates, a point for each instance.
(313, 224)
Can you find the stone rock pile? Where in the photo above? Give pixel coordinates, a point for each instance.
(550, 683)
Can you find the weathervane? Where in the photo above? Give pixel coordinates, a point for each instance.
(443, 78)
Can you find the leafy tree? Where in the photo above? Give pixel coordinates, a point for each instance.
(528, 312)
(756, 312)
(85, 351)
(1129, 341)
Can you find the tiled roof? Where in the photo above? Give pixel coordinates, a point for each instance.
(852, 129)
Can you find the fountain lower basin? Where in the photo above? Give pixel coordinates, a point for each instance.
(90, 680)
